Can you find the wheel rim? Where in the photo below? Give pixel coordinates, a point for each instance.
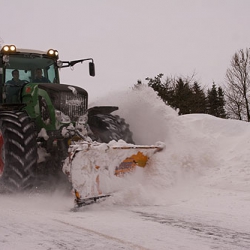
(1, 153)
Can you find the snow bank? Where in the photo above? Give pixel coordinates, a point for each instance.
(231, 140)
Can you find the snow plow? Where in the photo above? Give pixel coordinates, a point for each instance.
(94, 168)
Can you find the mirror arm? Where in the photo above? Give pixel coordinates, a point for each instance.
(72, 63)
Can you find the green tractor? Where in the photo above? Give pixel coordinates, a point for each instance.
(40, 117)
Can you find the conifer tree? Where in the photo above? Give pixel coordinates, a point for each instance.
(199, 99)
(221, 103)
(212, 101)
(187, 96)
(216, 102)
(182, 97)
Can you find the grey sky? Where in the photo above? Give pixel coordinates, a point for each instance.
(131, 39)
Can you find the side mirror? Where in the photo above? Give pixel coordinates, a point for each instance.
(91, 69)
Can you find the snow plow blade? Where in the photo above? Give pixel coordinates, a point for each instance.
(94, 169)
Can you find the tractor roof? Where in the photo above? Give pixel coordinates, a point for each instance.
(11, 49)
(31, 51)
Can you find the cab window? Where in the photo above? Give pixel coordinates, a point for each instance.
(51, 73)
(24, 75)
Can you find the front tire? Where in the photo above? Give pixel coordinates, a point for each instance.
(18, 151)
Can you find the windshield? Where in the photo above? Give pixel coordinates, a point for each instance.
(27, 65)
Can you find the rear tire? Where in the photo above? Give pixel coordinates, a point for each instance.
(107, 127)
(18, 151)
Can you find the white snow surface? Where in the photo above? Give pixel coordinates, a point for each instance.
(195, 194)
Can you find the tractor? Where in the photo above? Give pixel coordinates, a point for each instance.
(40, 117)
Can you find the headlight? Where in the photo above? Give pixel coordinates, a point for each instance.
(53, 53)
(6, 49)
(12, 48)
(61, 117)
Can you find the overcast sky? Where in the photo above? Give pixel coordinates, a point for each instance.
(131, 39)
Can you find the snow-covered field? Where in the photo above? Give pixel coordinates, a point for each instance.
(195, 194)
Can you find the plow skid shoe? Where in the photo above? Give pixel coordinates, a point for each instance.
(81, 202)
(95, 168)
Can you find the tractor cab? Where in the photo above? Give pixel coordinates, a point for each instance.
(27, 64)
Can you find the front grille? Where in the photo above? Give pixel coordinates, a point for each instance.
(71, 103)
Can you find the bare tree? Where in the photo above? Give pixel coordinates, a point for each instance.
(238, 86)
(234, 104)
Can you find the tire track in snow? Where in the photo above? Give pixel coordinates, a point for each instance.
(241, 240)
(120, 241)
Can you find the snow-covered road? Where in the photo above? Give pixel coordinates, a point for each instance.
(190, 219)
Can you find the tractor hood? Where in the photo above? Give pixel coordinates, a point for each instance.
(63, 87)
(71, 100)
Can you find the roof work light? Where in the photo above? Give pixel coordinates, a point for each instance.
(52, 53)
(7, 49)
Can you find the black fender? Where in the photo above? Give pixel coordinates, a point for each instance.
(106, 127)
(101, 110)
